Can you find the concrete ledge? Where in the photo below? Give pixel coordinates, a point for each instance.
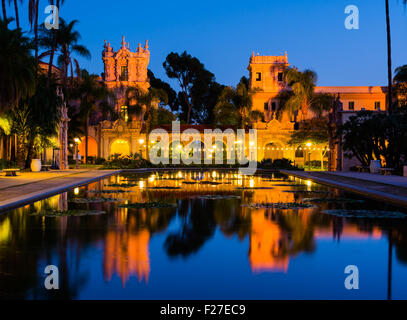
(17, 202)
(352, 186)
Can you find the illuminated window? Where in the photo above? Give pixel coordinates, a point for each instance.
(377, 105)
(258, 76)
(124, 75)
(124, 113)
(351, 105)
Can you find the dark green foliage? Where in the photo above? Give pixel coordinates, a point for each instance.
(277, 164)
(371, 135)
(199, 90)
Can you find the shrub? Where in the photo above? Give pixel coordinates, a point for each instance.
(132, 161)
(277, 164)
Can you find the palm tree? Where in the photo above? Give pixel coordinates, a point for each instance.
(389, 71)
(235, 106)
(16, 11)
(301, 96)
(389, 63)
(54, 41)
(93, 96)
(3, 5)
(18, 68)
(67, 42)
(145, 105)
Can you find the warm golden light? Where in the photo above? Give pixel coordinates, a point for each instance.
(76, 191)
(141, 141)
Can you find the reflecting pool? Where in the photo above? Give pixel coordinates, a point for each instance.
(204, 235)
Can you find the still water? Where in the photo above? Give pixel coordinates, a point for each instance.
(204, 235)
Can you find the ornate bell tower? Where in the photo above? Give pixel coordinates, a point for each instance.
(123, 69)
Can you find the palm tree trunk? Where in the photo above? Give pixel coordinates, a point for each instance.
(36, 29)
(389, 71)
(3, 4)
(21, 151)
(53, 48)
(16, 10)
(86, 139)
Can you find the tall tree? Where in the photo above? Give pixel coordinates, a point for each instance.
(93, 96)
(18, 68)
(301, 95)
(54, 40)
(145, 105)
(389, 58)
(235, 106)
(67, 43)
(3, 5)
(389, 70)
(16, 11)
(171, 93)
(194, 81)
(35, 120)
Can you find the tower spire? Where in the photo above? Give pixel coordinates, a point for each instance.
(124, 42)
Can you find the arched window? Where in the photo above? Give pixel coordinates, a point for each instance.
(124, 113)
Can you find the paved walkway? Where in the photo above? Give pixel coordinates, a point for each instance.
(32, 186)
(388, 188)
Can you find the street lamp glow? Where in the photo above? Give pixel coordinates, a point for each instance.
(76, 140)
(309, 144)
(141, 141)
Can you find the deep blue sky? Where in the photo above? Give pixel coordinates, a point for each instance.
(224, 33)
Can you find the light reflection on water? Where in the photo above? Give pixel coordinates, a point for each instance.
(206, 247)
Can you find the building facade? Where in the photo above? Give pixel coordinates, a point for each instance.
(124, 68)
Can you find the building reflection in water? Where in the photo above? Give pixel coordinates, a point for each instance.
(275, 236)
(127, 254)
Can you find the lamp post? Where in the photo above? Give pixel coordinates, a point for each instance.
(309, 144)
(76, 152)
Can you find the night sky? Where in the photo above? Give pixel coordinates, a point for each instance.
(224, 33)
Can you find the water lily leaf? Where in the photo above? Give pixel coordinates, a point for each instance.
(68, 213)
(372, 214)
(218, 197)
(279, 205)
(94, 200)
(338, 200)
(154, 204)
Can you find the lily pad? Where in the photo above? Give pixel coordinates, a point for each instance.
(372, 214)
(122, 185)
(106, 191)
(307, 191)
(94, 200)
(279, 205)
(335, 200)
(254, 188)
(218, 197)
(68, 213)
(288, 185)
(142, 205)
(163, 188)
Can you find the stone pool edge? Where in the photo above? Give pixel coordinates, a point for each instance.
(46, 193)
(367, 192)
